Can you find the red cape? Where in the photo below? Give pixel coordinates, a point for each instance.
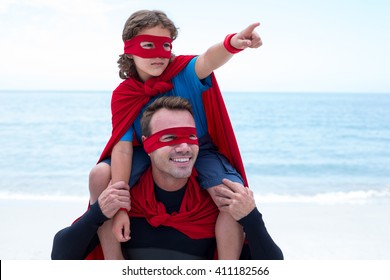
(196, 218)
(197, 214)
(131, 96)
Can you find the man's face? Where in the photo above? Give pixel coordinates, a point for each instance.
(172, 165)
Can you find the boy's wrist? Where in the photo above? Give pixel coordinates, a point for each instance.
(123, 209)
(228, 46)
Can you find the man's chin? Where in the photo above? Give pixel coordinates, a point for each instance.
(182, 174)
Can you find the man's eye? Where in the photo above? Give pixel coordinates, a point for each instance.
(167, 138)
(193, 137)
(147, 45)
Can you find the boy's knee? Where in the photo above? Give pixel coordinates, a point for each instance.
(99, 177)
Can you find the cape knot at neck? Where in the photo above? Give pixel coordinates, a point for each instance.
(153, 88)
(161, 219)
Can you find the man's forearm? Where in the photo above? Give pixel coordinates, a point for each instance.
(261, 244)
(76, 241)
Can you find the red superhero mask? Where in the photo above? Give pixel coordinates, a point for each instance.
(172, 136)
(154, 46)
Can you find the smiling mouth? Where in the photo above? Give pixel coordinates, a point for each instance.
(180, 160)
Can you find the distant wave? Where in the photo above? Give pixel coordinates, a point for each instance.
(48, 197)
(351, 197)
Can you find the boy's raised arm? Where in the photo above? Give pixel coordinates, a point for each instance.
(220, 53)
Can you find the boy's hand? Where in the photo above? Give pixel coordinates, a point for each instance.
(121, 226)
(247, 38)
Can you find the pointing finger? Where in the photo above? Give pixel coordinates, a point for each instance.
(249, 30)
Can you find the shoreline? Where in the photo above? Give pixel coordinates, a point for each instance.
(304, 231)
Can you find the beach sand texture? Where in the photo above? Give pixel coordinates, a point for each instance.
(304, 231)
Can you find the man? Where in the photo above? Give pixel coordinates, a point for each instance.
(172, 218)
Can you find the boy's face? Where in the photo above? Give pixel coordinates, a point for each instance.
(155, 66)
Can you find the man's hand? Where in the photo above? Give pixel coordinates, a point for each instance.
(114, 197)
(247, 38)
(235, 199)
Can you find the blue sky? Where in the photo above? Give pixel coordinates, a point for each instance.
(310, 46)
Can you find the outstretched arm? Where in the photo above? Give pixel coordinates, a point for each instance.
(218, 55)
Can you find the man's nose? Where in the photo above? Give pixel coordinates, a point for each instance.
(182, 147)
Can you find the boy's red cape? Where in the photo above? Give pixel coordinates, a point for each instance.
(132, 95)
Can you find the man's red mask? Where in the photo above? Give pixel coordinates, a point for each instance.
(158, 46)
(170, 137)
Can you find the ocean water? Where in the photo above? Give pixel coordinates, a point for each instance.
(296, 147)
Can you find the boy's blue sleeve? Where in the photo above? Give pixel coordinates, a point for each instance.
(128, 136)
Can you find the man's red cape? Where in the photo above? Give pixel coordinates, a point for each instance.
(131, 96)
(197, 214)
(196, 217)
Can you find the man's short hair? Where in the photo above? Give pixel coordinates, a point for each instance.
(174, 103)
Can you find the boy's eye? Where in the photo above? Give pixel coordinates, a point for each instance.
(147, 45)
(167, 46)
(193, 137)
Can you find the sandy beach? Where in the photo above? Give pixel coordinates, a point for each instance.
(29, 226)
(304, 231)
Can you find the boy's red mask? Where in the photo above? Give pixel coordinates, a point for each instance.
(133, 46)
(179, 135)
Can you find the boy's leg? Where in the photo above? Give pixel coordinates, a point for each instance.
(212, 167)
(230, 237)
(99, 179)
(229, 234)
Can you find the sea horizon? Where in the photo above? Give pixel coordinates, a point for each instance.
(296, 147)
